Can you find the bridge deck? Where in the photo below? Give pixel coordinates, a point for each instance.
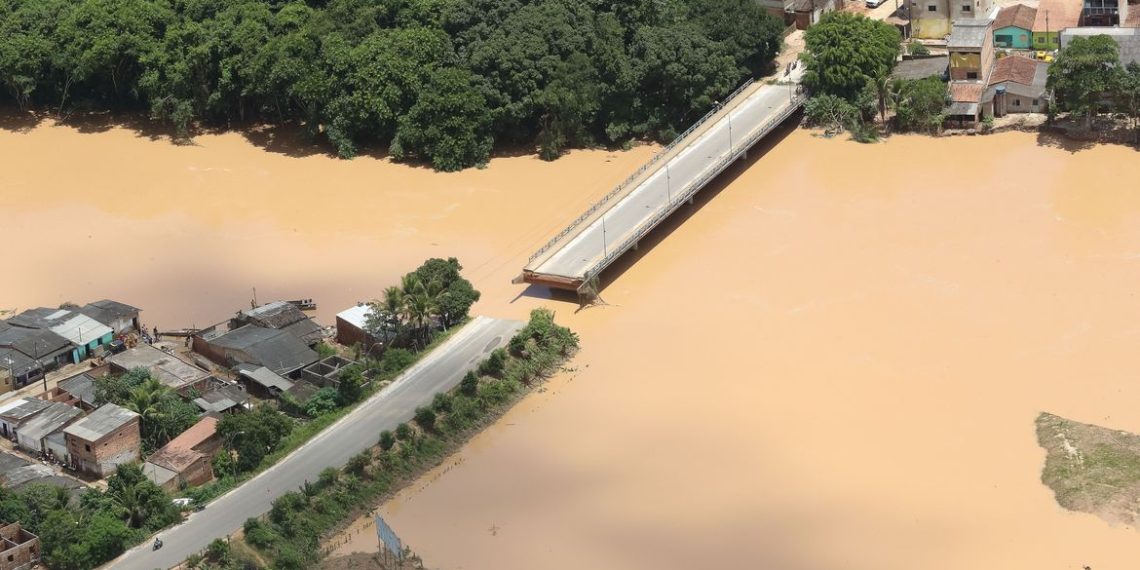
(614, 225)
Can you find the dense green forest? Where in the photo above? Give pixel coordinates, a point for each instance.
(440, 81)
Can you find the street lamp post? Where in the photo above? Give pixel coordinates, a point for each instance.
(605, 247)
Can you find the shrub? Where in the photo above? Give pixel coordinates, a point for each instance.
(396, 360)
(387, 440)
(917, 48)
(470, 384)
(425, 418)
(403, 432)
(441, 403)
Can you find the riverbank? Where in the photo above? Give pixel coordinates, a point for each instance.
(407, 452)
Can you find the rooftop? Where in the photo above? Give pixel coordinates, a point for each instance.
(1018, 16)
(179, 453)
(32, 342)
(278, 350)
(265, 377)
(163, 366)
(101, 422)
(969, 33)
(966, 92)
(922, 67)
(222, 399)
(1056, 15)
(108, 311)
(23, 408)
(1127, 39)
(80, 329)
(1019, 69)
(356, 316)
(16, 362)
(284, 315)
(81, 387)
(49, 421)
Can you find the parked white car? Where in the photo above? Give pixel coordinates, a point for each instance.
(875, 3)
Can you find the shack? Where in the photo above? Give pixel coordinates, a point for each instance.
(20, 549)
(277, 350)
(284, 316)
(102, 441)
(121, 317)
(16, 413)
(52, 419)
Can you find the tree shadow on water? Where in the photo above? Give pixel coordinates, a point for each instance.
(1058, 139)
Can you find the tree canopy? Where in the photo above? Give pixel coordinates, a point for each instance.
(845, 52)
(1086, 72)
(439, 81)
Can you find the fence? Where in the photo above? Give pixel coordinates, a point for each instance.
(632, 177)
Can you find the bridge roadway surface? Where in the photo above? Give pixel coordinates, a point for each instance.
(725, 134)
(440, 370)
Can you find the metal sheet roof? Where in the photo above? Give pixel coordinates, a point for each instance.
(101, 422)
(48, 421)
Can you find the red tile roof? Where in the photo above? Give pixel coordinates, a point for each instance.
(179, 453)
(1014, 68)
(966, 92)
(1056, 15)
(1018, 15)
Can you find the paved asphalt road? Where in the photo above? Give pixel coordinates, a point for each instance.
(438, 371)
(671, 179)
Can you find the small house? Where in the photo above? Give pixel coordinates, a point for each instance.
(78, 391)
(277, 350)
(19, 549)
(971, 47)
(1013, 27)
(262, 381)
(1017, 85)
(80, 330)
(16, 413)
(103, 440)
(43, 348)
(119, 316)
(173, 372)
(808, 13)
(351, 327)
(284, 316)
(51, 420)
(186, 459)
(965, 104)
(223, 399)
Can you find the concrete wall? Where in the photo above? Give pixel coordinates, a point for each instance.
(927, 24)
(20, 550)
(1019, 38)
(1046, 40)
(101, 457)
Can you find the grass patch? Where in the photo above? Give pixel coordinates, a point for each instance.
(1091, 469)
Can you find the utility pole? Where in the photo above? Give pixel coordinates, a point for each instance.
(605, 247)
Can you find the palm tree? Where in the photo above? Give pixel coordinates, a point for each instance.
(131, 504)
(146, 401)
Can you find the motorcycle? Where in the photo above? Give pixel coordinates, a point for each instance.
(157, 544)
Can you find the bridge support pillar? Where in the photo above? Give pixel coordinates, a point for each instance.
(690, 200)
(636, 244)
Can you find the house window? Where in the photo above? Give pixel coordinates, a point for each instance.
(971, 75)
(1003, 40)
(1017, 102)
(932, 8)
(1041, 40)
(1035, 102)
(87, 446)
(966, 7)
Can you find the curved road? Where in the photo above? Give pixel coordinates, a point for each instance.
(439, 371)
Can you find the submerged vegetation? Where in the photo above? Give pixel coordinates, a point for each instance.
(442, 81)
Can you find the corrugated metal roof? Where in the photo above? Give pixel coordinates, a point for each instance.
(356, 316)
(80, 329)
(163, 366)
(50, 420)
(106, 419)
(25, 408)
(267, 378)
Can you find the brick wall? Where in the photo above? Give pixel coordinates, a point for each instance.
(102, 456)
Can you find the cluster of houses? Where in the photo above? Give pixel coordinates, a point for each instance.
(261, 353)
(997, 59)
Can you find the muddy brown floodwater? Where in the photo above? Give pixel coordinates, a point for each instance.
(834, 362)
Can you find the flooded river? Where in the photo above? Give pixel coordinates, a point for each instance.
(834, 362)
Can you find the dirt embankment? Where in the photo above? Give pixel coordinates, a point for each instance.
(1091, 469)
